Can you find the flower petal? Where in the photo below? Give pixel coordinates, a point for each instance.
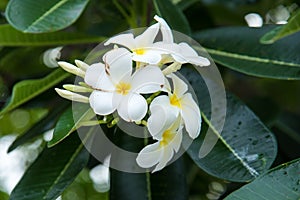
(147, 80)
(133, 107)
(149, 155)
(191, 116)
(149, 57)
(161, 118)
(102, 102)
(165, 30)
(176, 142)
(125, 40)
(162, 100)
(180, 87)
(119, 63)
(96, 77)
(187, 54)
(167, 155)
(146, 39)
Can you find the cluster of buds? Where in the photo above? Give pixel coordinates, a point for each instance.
(139, 66)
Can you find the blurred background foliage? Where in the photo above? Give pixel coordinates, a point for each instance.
(275, 102)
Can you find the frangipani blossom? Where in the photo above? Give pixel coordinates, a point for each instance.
(162, 151)
(142, 47)
(178, 102)
(182, 52)
(116, 88)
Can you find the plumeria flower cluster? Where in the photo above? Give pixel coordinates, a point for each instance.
(136, 68)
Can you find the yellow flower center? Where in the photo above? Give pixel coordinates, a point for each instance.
(175, 101)
(139, 51)
(166, 138)
(123, 88)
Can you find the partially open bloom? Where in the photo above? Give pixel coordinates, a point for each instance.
(178, 102)
(116, 88)
(182, 52)
(162, 151)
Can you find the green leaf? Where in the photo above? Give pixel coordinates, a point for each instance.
(169, 183)
(238, 48)
(245, 149)
(11, 37)
(68, 122)
(280, 32)
(173, 15)
(28, 89)
(53, 171)
(45, 124)
(280, 183)
(43, 16)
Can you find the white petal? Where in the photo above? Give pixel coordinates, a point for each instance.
(147, 37)
(133, 107)
(167, 86)
(102, 102)
(176, 142)
(147, 80)
(198, 60)
(149, 155)
(149, 57)
(165, 30)
(165, 158)
(120, 64)
(180, 87)
(191, 116)
(125, 40)
(187, 54)
(161, 118)
(162, 100)
(97, 78)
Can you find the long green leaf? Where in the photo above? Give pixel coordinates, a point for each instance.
(11, 37)
(280, 183)
(280, 32)
(245, 149)
(238, 48)
(173, 15)
(28, 89)
(52, 172)
(43, 15)
(68, 122)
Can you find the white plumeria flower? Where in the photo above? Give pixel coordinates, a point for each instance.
(116, 88)
(162, 151)
(178, 102)
(182, 52)
(142, 47)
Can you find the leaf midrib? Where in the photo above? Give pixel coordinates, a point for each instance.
(251, 170)
(52, 9)
(64, 170)
(80, 147)
(250, 58)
